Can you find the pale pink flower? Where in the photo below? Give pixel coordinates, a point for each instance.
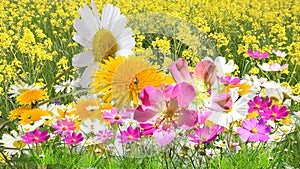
(273, 67)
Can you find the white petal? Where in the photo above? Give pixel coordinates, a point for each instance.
(86, 76)
(83, 59)
(124, 52)
(82, 41)
(96, 15)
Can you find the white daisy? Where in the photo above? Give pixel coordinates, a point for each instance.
(103, 38)
(66, 85)
(237, 111)
(13, 143)
(16, 90)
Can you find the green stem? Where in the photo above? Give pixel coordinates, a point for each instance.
(58, 77)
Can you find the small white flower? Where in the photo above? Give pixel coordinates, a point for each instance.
(279, 53)
(66, 85)
(94, 126)
(13, 143)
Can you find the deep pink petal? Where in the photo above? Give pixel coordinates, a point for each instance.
(187, 119)
(143, 114)
(184, 93)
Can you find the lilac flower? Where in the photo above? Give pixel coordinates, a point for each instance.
(205, 134)
(130, 135)
(257, 54)
(64, 127)
(113, 116)
(73, 138)
(104, 135)
(254, 130)
(35, 137)
(274, 113)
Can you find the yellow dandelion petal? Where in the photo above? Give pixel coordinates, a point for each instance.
(31, 96)
(131, 77)
(33, 115)
(16, 113)
(88, 108)
(243, 88)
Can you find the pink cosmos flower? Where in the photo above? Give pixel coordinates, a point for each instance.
(254, 130)
(64, 127)
(274, 113)
(258, 104)
(73, 138)
(113, 116)
(104, 135)
(130, 135)
(167, 108)
(257, 54)
(35, 137)
(273, 67)
(205, 70)
(229, 80)
(205, 134)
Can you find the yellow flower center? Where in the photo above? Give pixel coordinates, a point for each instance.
(254, 130)
(130, 136)
(104, 45)
(35, 138)
(18, 144)
(73, 140)
(155, 125)
(273, 114)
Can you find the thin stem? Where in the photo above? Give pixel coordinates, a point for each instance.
(166, 161)
(58, 77)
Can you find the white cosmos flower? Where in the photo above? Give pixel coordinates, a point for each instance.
(13, 143)
(222, 67)
(237, 111)
(273, 67)
(279, 53)
(103, 38)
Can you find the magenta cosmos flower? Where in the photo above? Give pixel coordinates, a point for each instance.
(257, 54)
(205, 134)
(274, 113)
(113, 116)
(130, 135)
(64, 127)
(258, 104)
(229, 80)
(167, 108)
(254, 130)
(104, 135)
(35, 137)
(73, 138)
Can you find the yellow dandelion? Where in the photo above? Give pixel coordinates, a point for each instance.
(243, 88)
(16, 113)
(31, 96)
(33, 115)
(88, 108)
(125, 79)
